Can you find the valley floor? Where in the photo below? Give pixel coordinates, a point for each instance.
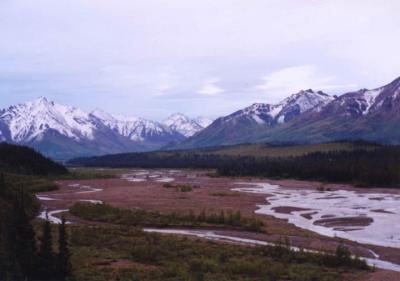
(312, 215)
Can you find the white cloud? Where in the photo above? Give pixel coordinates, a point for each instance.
(210, 88)
(289, 80)
(125, 55)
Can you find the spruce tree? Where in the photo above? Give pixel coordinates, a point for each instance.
(46, 256)
(13, 270)
(25, 248)
(64, 266)
(3, 186)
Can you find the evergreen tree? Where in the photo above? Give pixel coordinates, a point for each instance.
(46, 256)
(25, 248)
(64, 266)
(3, 186)
(9, 237)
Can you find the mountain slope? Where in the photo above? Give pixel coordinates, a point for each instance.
(311, 117)
(63, 132)
(24, 160)
(372, 115)
(183, 124)
(138, 129)
(245, 124)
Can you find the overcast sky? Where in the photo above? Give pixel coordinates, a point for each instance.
(151, 58)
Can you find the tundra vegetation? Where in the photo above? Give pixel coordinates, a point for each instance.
(33, 249)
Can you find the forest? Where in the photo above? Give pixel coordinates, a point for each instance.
(27, 248)
(24, 160)
(379, 166)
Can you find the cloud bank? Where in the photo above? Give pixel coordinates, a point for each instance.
(152, 58)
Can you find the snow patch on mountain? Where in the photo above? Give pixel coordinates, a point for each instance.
(30, 120)
(369, 98)
(204, 121)
(306, 100)
(183, 124)
(134, 128)
(284, 111)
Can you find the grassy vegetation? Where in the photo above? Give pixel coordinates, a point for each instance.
(139, 217)
(224, 194)
(91, 173)
(179, 187)
(98, 253)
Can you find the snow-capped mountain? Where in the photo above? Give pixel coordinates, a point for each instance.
(136, 128)
(30, 120)
(284, 111)
(204, 121)
(299, 103)
(61, 131)
(183, 124)
(372, 115)
(245, 122)
(311, 117)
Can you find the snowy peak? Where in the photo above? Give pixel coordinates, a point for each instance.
(286, 110)
(134, 128)
(183, 124)
(43, 121)
(306, 100)
(102, 115)
(204, 121)
(299, 103)
(30, 120)
(365, 102)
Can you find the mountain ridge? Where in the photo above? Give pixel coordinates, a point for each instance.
(62, 132)
(371, 115)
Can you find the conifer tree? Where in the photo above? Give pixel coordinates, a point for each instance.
(64, 266)
(46, 255)
(3, 186)
(25, 248)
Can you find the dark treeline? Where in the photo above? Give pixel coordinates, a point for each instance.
(26, 254)
(25, 160)
(379, 166)
(153, 160)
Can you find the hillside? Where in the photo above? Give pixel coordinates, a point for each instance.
(63, 132)
(24, 160)
(310, 117)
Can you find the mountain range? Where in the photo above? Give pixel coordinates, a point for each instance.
(62, 132)
(310, 117)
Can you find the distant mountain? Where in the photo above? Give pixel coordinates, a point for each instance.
(204, 121)
(137, 129)
(310, 117)
(186, 126)
(371, 115)
(247, 122)
(63, 132)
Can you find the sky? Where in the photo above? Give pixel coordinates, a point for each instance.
(152, 58)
